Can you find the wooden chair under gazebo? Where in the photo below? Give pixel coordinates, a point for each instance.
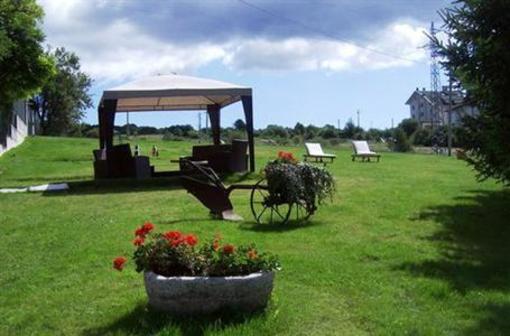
(173, 93)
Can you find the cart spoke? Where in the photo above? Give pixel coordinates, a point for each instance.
(261, 213)
(261, 193)
(278, 212)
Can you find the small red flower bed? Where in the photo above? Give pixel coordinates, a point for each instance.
(174, 253)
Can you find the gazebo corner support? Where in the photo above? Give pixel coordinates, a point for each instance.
(214, 116)
(106, 118)
(248, 114)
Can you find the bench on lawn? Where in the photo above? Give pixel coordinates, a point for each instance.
(362, 150)
(314, 153)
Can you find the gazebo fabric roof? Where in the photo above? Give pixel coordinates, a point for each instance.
(174, 92)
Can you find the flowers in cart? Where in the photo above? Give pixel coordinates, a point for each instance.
(294, 182)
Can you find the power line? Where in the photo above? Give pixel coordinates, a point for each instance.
(325, 33)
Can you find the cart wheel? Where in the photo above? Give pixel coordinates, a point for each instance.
(300, 212)
(263, 212)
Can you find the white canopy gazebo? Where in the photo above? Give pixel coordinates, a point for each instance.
(175, 93)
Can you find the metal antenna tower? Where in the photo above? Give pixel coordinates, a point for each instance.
(435, 78)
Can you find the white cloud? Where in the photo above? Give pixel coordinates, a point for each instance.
(397, 45)
(116, 48)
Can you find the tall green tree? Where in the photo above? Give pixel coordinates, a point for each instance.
(477, 54)
(239, 125)
(409, 126)
(24, 67)
(63, 99)
(299, 129)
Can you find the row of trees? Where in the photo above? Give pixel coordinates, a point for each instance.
(51, 79)
(274, 132)
(400, 138)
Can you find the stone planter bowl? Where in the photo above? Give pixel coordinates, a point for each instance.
(204, 295)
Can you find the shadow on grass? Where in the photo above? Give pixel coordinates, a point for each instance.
(494, 322)
(188, 220)
(47, 179)
(145, 321)
(474, 241)
(279, 227)
(115, 186)
(111, 186)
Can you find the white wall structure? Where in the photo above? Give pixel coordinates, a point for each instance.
(421, 107)
(23, 122)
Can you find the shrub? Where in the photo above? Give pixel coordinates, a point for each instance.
(401, 142)
(334, 142)
(171, 137)
(174, 253)
(422, 137)
(92, 133)
(235, 134)
(328, 132)
(282, 141)
(409, 126)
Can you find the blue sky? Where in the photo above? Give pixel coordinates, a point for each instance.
(309, 61)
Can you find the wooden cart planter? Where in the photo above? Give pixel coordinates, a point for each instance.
(268, 205)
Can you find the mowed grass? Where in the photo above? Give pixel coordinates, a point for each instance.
(412, 245)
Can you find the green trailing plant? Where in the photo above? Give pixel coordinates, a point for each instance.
(291, 181)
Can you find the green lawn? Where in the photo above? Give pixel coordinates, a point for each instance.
(412, 245)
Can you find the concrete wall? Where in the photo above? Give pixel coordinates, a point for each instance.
(23, 123)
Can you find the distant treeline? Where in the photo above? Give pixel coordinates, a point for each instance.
(400, 138)
(274, 132)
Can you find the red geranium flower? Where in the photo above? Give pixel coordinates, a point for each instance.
(148, 227)
(138, 241)
(140, 232)
(228, 249)
(286, 156)
(191, 240)
(177, 242)
(172, 235)
(118, 263)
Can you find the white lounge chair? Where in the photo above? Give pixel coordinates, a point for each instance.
(314, 153)
(362, 150)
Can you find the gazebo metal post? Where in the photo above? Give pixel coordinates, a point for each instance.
(106, 117)
(248, 114)
(214, 115)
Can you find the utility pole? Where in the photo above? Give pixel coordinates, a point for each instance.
(199, 125)
(391, 122)
(338, 121)
(450, 107)
(357, 112)
(127, 125)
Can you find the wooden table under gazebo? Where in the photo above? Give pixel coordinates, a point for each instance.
(173, 93)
